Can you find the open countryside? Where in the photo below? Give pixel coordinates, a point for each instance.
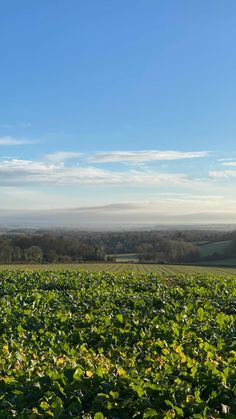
(117, 209)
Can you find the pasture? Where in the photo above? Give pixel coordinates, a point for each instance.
(219, 248)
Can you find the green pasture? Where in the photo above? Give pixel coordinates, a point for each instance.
(210, 249)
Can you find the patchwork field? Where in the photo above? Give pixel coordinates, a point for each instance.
(117, 345)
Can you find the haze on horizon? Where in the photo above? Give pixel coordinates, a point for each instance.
(118, 112)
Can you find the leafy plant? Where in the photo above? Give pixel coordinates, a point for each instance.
(102, 345)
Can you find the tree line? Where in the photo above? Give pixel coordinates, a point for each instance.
(72, 246)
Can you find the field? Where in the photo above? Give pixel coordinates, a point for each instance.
(127, 267)
(222, 262)
(117, 345)
(216, 247)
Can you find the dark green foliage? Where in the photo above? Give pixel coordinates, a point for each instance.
(74, 246)
(117, 346)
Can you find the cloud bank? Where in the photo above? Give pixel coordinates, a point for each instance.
(66, 179)
(126, 215)
(20, 172)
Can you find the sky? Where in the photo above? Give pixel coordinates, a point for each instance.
(125, 104)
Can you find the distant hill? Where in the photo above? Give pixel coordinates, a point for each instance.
(112, 217)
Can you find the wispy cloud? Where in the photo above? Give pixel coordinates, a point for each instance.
(145, 156)
(18, 172)
(229, 164)
(132, 157)
(53, 170)
(60, 156)
(16, 125)
(11, 141)
(54, 183)
(25, 124)
(222, 174)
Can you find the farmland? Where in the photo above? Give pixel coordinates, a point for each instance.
(116, 345)
(210, 249)
(125, 267)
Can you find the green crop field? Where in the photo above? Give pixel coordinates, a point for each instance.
(117, 345)
(127, 267)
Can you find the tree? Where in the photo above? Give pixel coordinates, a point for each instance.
(5, 252)
(34, 254)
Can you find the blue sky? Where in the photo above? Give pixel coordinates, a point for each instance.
(106, 102)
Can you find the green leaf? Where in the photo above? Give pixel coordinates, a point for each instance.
(201, 313)
(9, 380)
(190, 399)
(78, 373)
(100, 371)
(120, 318)
(138, 389)
(57, 405)
(99, 415)
(114, 394)
(150, 413)
(18, 392)
(44, 405)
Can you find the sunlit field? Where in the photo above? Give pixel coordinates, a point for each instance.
(126, 267)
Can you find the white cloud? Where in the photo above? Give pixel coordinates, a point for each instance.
(222, 174)
(127, 156)
(18, 172)
(67, 181)
(229, 164)
(10, 141)
(27, 184)
(60, 156)
(145, 156)
(54, 171)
